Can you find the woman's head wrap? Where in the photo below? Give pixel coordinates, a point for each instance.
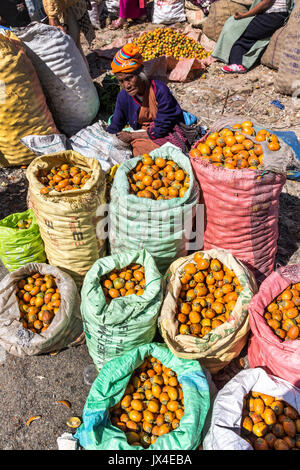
(128, 59)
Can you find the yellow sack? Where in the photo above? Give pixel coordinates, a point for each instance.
(70, 221)
(23, 108)
(223, 343)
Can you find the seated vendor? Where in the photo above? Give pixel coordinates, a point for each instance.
(146, 105)
(245, 35)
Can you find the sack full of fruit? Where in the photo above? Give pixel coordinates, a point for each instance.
(146, 399)
(67, 195)
(242, 168)
(153, 202)
(40, 310)
(274, 315)
(204, 315)
(255, 411)
(121, 299)
(20, 240)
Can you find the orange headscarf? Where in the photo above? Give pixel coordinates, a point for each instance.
(128, 59)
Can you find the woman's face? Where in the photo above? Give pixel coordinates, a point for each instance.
(130, 82)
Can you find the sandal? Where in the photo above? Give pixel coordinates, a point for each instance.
(140, 20)
(117, 24)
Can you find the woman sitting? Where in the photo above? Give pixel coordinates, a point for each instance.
(246, 35)
(147, 105)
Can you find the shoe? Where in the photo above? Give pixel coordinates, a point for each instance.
(234, 68)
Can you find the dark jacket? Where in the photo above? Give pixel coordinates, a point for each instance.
(127, 110)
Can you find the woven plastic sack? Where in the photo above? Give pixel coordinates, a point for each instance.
(19, 247)
(241, 206)
(225, 429)
(70, 222)
(93, 141)
(97, 432)
(287, 80)
(23, 108)
(157, 226)
(223, 343)
(266, 349)
(64, 329)
(71, 94)
(168, 11)
(126, 322)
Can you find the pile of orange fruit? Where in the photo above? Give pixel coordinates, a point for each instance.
(158, 179)
(39, 301)
(123, 282)
(283, 314)
(169, 42)
(208, 295)
(233, 149)
(23, 224)
(270, 423)
(152, 404)
(62, 178)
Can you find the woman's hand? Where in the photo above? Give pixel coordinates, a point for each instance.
(239, 16)
(55, 22)
(126, 137)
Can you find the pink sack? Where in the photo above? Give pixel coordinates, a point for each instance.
(266, 349)
(241, 213)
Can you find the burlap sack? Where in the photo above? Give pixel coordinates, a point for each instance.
(70, 222)
(288, 80)
(222, 344)
(65, 327)
(272, 55)
(219, 13)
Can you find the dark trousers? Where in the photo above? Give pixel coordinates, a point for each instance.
(261, 27)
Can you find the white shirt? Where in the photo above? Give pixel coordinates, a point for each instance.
(278, 6)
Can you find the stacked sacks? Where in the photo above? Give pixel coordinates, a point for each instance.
(23, 108)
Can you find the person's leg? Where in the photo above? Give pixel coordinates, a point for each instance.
(128, 9)
(261, 27)
(74, 32)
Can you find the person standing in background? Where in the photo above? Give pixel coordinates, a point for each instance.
(14, 13)
(133, 9)
(71, 16)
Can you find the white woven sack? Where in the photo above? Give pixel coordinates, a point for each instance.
(71, 94)
(168, 11)
(92, 141)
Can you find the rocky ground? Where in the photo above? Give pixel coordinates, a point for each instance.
(31, 386)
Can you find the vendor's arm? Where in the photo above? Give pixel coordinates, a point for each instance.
(169, 113)
(263, 6)
(54, 9)
(120, 117)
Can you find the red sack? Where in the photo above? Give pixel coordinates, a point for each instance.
(266, 349)
(241, 213)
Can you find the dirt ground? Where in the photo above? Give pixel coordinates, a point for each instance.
(31, 386)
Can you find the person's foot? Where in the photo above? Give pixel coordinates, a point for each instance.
(117, 24)
(140, 20)
(233, 68)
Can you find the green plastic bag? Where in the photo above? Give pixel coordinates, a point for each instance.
(19, 247)
(162, 227)
(97, 432)
(126, 322)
